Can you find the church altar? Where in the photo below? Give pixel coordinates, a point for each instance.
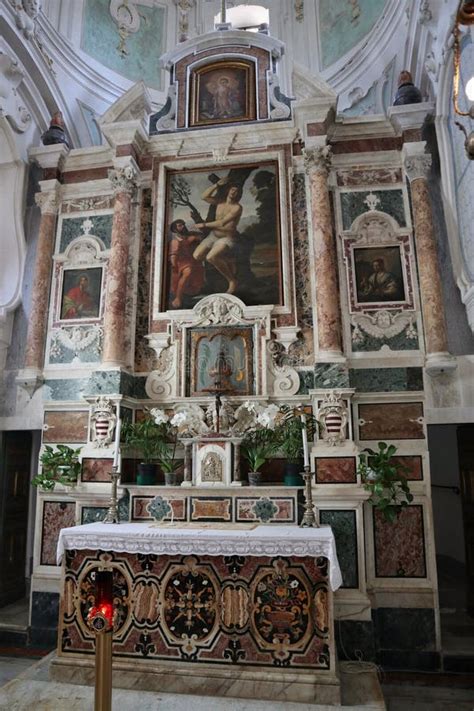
(218, 609)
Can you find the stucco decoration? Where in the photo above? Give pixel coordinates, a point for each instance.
(26, 13)
(184, 7)
(103, 419)
(84, 344)
(11, 106)
(332, 418)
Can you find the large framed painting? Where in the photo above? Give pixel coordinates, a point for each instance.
(379, 275)
(222, 234)
(223, 92)
(221, 360)
(81, 292)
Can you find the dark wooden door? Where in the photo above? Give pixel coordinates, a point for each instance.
(466, 467)
(14, 496)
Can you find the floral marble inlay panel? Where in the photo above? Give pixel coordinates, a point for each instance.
(190, 608)
(343, 524)
(394, 420)
(406, 340)
(141, 512)
(390, 201)
(56, 515)
(65, 426)
(265, 509)
(400, 546)
(96, 470)
(335, 470)
(72, 227)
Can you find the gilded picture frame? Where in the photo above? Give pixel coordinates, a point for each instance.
(223, 92)
(221, 360)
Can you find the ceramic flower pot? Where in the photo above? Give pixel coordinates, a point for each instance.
(292, 474)
(171, 478)
(146, 474)
(255, 478)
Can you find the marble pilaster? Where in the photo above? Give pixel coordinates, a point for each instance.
(438, 358)
(49, 203)
(124, 185)
(317, 164)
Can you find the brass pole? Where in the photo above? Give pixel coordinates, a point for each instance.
(103, 671)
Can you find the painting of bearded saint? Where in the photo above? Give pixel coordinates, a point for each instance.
(223, 235)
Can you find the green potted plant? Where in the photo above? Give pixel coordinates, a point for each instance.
(58, 466)
(385, 479)
(155, 438)
(291, 442)
(261, 439)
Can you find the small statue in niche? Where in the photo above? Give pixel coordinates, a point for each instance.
(407, 92)
(55, 133)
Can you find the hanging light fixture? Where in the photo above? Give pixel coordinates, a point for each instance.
(464, 16)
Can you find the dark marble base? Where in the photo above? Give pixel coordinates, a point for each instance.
(355, 640)
(459, 663)
(411, 629)
(11, 638)
(394, 659)
(44, 619)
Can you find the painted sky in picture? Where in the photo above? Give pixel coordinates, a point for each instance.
(342, 24)
(141, 49)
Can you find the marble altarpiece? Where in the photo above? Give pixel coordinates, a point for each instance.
(349, 323)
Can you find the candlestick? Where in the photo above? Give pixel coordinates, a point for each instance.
(112, 513)
(309, 517)
(304, 434)
(118, 427)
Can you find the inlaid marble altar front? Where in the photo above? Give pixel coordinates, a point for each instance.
(220, 604)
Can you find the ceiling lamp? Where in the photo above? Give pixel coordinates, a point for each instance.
(464, 16)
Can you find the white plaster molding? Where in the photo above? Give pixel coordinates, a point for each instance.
(126, 121)
(52, 156)
(417, 167)
(318, 159)
(161, 383)
(285, 380)
(286, 335)
(384, 324)
(440, 363)
(123, 180)
(11, 106)
(410, 116)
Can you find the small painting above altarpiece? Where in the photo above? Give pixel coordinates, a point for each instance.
(223, 92)
(221, 361)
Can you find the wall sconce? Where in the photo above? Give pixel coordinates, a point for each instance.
(464, 16)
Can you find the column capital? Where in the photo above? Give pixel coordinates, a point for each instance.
(417, 166)
(318, 159)
(49, 202)
(124, 180)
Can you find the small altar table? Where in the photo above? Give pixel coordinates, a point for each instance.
(221, 610)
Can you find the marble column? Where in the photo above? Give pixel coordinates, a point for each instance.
(49, 202)
(317, 164)
(434, 321)
(124, 185)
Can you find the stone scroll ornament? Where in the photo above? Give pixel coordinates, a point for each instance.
(332, 418)
(103, 419)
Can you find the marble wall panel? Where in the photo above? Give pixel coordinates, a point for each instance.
(101, 382)
(93, 514)
(211, 509)
(331, 375)
(265, 509)
(353, 204)
(96, 470)
(140, 508)
(386, 379)
(343, 524)
(407, 340)
(400, 546)
(414, 464)
(394, 420)
(144, 356)
(73, 227)
(336, 470)
(65, 426)
(56, 515)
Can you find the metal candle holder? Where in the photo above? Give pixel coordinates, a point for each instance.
(113, 513)
(309, 517)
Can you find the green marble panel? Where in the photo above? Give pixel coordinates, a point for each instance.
(383, 380)
(142, 49)
(353, 205)
(331, 375)
(343, 24)
(401, 342)
(306, 381)
(72, 227)
(101, 382)
(343, 524)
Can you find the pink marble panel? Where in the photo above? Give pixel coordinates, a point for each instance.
(211, 509)
(96, 470)
(394, 420)
(65, 426)
(414, 465)
(56, 515)
(335, 470)
(400, 546)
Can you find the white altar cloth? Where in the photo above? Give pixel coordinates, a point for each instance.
(148, 539)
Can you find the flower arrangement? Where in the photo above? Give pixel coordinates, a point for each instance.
(262, 435)
(384, 478)
(58, 466)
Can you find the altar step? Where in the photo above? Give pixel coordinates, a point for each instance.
(360, 691)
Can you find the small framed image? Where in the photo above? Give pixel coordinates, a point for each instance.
(378, 274)
(81, 294)
(221, 361)
(223, 92)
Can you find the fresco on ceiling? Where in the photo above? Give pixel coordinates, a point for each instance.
(343, 24)
(133, 53)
